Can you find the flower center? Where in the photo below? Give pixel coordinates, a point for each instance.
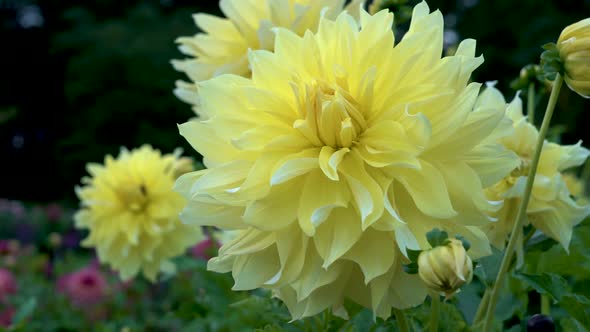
(88, 281)
(135, 198)
(329, 115)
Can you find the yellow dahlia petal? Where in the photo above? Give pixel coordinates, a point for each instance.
(336, 236)
(340, 152)
(319, 197)
(427, 187)
(223, 46)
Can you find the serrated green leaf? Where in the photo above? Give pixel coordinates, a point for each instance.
(487, 267)
(546, 283)
(570, 324)
(436, 237)
(578, 307)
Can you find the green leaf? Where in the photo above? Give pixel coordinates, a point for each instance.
(436, 237)
(488, 267)
(546, 283)
(450, 318)
(555, 259)
(578, 307)
(570, 324)
(25, 311)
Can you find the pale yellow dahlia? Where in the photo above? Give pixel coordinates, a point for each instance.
(129, 208)
(576, 187)
(222, 46)
(552, 209)
(340, 153)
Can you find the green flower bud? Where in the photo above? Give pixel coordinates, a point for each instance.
(444, 269)
(574, 50)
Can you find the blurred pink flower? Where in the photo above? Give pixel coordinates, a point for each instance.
(7, 284)
(6, 316)
(9, 247)
(86, 286)
(205, 249)
(53, 211)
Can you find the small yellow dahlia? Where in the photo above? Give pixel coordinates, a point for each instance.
(552, 209)
(339, 153)
(222, 47)
(129, 208)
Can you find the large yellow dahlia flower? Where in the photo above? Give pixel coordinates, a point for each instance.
(222, 47)
(132, 213)
(338, 154)
(553, 208)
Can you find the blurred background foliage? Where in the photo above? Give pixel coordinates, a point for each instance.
(81, 79)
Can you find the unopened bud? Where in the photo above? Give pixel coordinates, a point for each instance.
(444, 269)
(574, 50)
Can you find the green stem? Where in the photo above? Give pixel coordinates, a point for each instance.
(327, 318)
(402, 323)
(434, 312)
(523, 206)
(530, 105)
(481, 310)
(585, 172)
(545, 305)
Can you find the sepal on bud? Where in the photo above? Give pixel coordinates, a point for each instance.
(551, 62)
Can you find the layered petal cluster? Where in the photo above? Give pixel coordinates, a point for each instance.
(340, 152)
(131, 211)
(553, 209)
(222, 46)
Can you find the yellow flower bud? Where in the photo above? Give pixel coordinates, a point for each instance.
(445, 269)
(574, 50)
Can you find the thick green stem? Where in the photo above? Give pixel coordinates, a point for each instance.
(523, 205)
(530, 105)
(402, 323)
(434, 311)
(481, 310)
(545, 305)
